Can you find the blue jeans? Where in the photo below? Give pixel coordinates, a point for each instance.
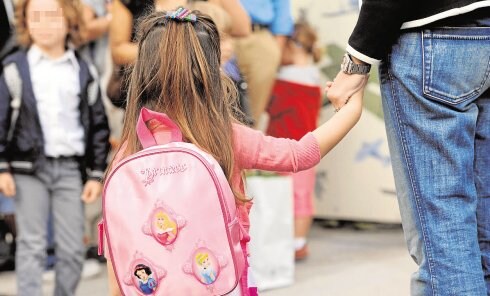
(54, 189)
(436, 102)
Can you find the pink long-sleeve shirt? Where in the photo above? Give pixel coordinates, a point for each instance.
(254, 150)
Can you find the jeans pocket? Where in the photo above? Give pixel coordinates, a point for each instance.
(456, 63)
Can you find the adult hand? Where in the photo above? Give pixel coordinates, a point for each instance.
(91, 191)
(7, 184)
(343, 87)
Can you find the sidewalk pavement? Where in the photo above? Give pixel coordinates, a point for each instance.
(344, 262)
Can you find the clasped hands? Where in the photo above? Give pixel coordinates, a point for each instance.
(344, 87)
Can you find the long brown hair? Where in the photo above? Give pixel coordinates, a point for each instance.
(72, 10)
(177, 72)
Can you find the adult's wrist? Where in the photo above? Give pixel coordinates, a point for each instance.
(358, 61)
(350, 66)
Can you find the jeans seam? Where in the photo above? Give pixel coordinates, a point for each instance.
(414, 187)
(459, 37)
(425, 80)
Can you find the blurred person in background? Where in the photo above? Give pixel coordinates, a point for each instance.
(7, 209)
(7, 33)
(97, 18)
(293, 110)
(259, 54)
(54, 141)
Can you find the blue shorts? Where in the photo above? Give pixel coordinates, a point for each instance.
(7, 205)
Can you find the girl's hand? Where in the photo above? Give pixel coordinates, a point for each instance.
(91, 191)
(7, 184)
(334, 130)
(343, 87)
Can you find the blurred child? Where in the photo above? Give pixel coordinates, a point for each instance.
(293, 111)
(59, 134)
(178, 73)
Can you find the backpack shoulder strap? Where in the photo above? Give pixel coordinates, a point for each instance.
(14, 85)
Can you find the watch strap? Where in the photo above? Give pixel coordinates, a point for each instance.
(349, 67)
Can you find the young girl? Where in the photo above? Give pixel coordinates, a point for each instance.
(177, 72)
(294, 107)
(61, 131)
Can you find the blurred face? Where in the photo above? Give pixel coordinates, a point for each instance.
(46, 23)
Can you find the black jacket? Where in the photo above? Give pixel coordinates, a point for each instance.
(379, 23)
(7, 40)
(25, 152)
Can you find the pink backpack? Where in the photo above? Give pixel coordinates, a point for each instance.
(170, 219)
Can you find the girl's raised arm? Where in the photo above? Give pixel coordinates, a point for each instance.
(331, 132)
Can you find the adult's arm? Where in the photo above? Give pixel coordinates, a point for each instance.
(124, 52)
(377, 28)
(241, 24)
(95, 26)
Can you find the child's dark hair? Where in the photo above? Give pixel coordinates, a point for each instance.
(307, 37)
(177, 72)
(141, 267)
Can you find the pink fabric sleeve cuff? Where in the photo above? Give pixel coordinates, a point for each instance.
(309, 156)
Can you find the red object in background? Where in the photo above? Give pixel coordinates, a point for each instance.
(293, 109)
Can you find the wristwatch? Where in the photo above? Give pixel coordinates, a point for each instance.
(349, 67)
